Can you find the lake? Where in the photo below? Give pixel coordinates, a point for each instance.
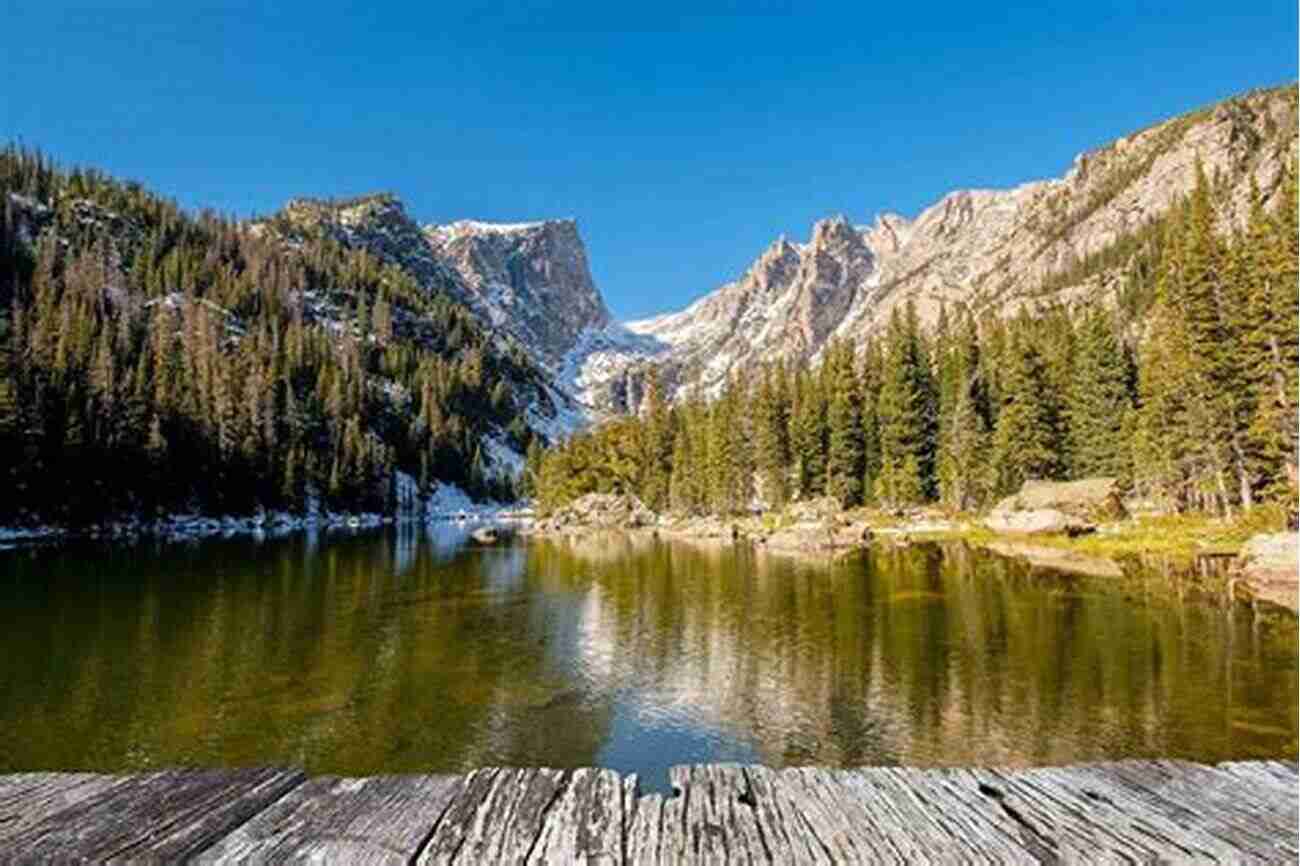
(407, 650)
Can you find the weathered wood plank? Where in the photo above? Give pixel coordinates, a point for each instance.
(779, 811)
(928, 815)
(29, 798)
(644, 819)
(1055, 825)
(585, 824)
(1257, 823)
(783, 844)
(718, 824)
(835, 815)
(376, 820)
(1271, 772)
(732, 799)
(503, 824)
(1081, 814)
(1124, 811)
(1134, 818)
(165, 816)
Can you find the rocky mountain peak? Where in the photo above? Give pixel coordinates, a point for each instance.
(835, 231)
(887, 233)
(775, 268)
(991, 250)
(532, 279)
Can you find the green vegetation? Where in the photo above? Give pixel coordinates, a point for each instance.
(1180, 536)
(1183, 385)
(151, 360)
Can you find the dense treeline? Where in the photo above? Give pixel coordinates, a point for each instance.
(151, 360)
(1183, 385)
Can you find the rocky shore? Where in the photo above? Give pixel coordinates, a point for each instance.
(1064, 526)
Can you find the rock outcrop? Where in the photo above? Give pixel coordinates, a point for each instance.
(1064, 507)
(1269, 566)
(530, 283)
(992, 250)
(598, 511)
(529, 279)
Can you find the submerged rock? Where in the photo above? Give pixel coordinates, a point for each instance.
(486, 535)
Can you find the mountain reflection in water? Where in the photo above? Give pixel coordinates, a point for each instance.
(409, 651)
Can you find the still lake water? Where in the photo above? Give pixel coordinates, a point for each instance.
(408, 651)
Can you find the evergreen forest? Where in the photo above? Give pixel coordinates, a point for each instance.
(1180, 379)
(154, 361)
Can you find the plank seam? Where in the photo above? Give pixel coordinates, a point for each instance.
(565, 781)
(1042, 847)
(495, 771)
(302, 780)
(213, 799)
(428, 837)
(750, 801)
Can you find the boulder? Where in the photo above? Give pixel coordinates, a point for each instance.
(1032, 521)
(819, 536)
(1089, 499)
(601, 511)
(1069, 507)
(821, 508)
(1268, 565)
(486, 535)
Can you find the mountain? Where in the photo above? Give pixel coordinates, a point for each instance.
(1066, 239)
(527, 281)
(354, 346)
(530, 279)
(155, 361)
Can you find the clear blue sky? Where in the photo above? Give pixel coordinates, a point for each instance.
(684, 137)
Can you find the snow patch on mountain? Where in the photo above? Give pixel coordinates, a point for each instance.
(599, 356)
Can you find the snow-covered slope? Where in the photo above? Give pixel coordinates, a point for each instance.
(531, 280)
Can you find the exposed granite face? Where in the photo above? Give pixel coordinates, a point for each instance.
(787, 304)
(528, 280)
(531, 279)
(988, 249)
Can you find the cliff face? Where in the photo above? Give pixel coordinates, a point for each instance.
(530, 279)
(991, 250)
(988, 249)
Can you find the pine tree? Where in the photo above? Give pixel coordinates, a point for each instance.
(1099, 400)
(656, 461)
(844, 463)
(965, 479)
(1027, 443)
(772, 435)
(908, 417)
(808, 437)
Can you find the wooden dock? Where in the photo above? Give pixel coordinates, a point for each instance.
(1126, 811)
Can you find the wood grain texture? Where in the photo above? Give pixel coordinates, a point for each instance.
(27, 799)
(1121, 811)
(158, 817)
(377, 820)
(585, 822)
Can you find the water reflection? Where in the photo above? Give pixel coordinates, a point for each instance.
(412, 651)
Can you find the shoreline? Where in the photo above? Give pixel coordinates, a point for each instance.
(271, 524)
(1112, 552)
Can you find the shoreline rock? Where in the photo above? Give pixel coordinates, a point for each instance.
(1058, 507)
(1268, 568)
